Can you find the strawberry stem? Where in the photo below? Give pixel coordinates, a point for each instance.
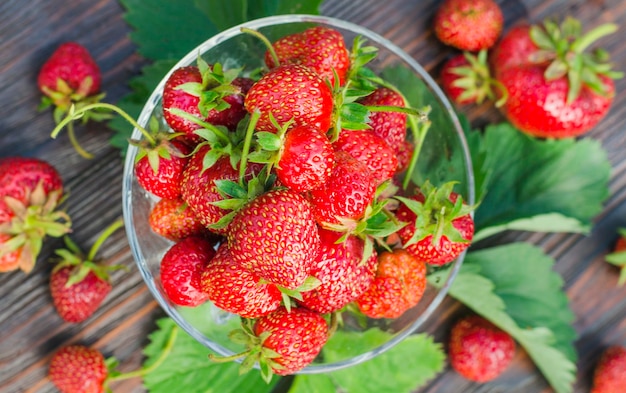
(266, 41)
(103, 236)
(419, 131)
(401, 109)
(254, 118)
(74, 142)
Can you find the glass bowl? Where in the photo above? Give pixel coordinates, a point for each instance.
(444, 157)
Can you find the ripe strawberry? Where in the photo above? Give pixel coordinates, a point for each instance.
(391, 126)
(399, 285)
(341, 271)
(347, 193)
(79, 283)
(30, 190)
(469, 25)
(78, 369)
(181, 267)
(371, 150)
(618, 256)
(319, 48)
(235, 289)
(439, 224)
(403, 155)
(572, 90)
(610, 373)
(291, 92)
(276, 238)
(205, 92)
(159, 169)
(174, 220)
(479, 350)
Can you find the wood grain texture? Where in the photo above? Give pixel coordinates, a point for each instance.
(30, 330)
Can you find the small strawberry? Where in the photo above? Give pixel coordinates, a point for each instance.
(469, 25)
(159, 169)
(478, 350)
(439, 224)
(342, 274)
(235, 289)
(30, 190)
(618, 256)
(174, 220)
(181, 267)
(282, 342)
(370, 149)
(319, 48)
(399, 284)
(572, 90)
(347, 193)
(391, 126)
(78, 369)
(610, 373)
(79, 283)
(275, 237)
(291, 93)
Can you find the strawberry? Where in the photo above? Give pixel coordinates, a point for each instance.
(78, 369)
(235, 289)
(342, 274)
(478, 350)
(181, 267)
(79, 283)
(439, 224)
(347, 193)
(391, 126)
(610, 373)
(572, 89)
(174, 220)
(399, 284)
(30, 190)
(159, 169)
(370, 149)
(291, 92)
(469, 25)
(403, 155)
(319, 48)
(206, 93)
(618, 256)
(276, 238)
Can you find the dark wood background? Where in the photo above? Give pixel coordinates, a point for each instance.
(30, 329)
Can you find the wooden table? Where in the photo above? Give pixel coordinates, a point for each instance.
(30, 329)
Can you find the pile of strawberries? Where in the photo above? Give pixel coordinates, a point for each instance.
(282, 197)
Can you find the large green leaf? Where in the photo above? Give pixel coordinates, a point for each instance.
(515, 287)
(538, 185)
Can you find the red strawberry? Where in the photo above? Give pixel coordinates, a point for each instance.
(159, 170)
(341, 271)
(174, 220)
(276, 238)
(399, 285)
(347, 193)
(610, 373)
(403, 155)
(391, 126)
(469, 25)
(79, 283)
(235, 289)
(305, 160)
(181, 267)
(370, 149)
(291, 92)
(618, 256)
(78, 369)
(30, 190)
(319, 48)
(479, 350)
(439, 225)
(188, 89)
(571, 90)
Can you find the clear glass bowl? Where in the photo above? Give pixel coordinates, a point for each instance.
(444, 157)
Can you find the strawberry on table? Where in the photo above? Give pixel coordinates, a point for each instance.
(610, 373)
(478, 350)
(469, 25)
(572, 90)
(78, 369)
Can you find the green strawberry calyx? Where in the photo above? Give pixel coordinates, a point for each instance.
(618, 258)
(564, 47)
(476, 81)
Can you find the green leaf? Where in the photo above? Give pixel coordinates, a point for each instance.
(188, 368)
(514, 287)
(224, 14)
(403, 368)
(537, 185)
